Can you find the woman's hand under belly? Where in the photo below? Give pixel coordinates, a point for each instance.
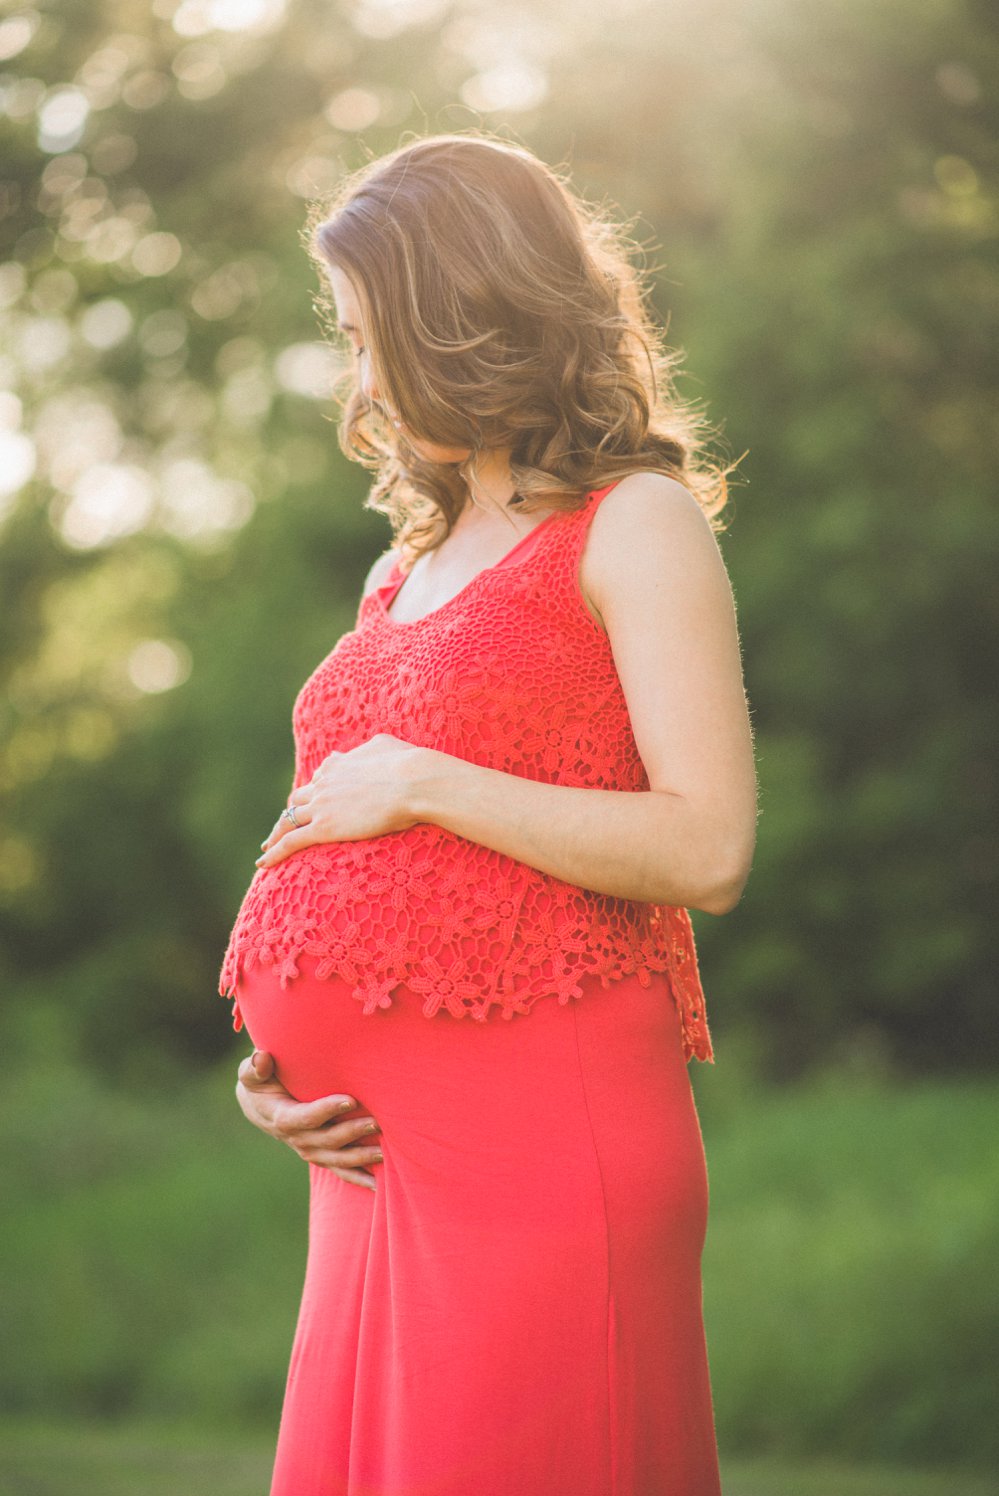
(310, 1128)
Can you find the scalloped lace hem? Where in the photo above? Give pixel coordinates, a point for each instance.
(450, 990)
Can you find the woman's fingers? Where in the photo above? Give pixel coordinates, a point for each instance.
(327, 1144)
(300, 803)
(284, 840)
(256, 1069)
(307, 1116)
(311, 1129)
(321, 1151)
(355, 1176)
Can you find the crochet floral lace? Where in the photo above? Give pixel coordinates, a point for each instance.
(512, 673)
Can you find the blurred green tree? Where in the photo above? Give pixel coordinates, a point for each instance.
(182, 542)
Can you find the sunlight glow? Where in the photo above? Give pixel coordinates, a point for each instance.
(381, 19)
(510, 86)
(145, 90)
(199, 71)
(354, 109)
(109, 500)
(110, 240)
(307, 369)
(18, 461)
(101, 74)
(62, 119)
(20, 97)
(247, 397)
(158, 665)
(157, 254)
(197, 505)
(16, 32)
(74, 430)
(106, 322)
(313, 176)
(222, 293)
(195, 17)
(11, 410)
(43, 342)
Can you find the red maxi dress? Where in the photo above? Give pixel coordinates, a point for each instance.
(516, 1307)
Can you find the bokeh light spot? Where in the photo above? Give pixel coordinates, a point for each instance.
(106, 323)
(110, 240)
(198, 506)
(20, 97)
(354, 109)
(157, 254)
(199, 71)
(958, 83)
(43, 342)
(62, 119)
(312, 176)
(196, 17)
(163, 333)
(108, 501)
(146, 89)
(113, 153)
(16, 32)
(955, 176)
(53, 290)
(307, 369)
(158, 665)
(13, 279)
(510, 86)
(223, 292)
(18, 460)
(381, 19)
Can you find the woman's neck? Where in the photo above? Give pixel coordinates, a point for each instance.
(490, 490)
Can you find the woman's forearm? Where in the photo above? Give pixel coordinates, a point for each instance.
(650, 845)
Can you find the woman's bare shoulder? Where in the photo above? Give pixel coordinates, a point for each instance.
(380, 570)
(644, 514)
(647, 499)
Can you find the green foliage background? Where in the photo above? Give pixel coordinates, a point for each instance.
(816, 188)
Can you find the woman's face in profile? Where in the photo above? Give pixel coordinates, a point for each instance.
(349, 316)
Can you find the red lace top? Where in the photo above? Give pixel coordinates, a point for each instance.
(512, 673)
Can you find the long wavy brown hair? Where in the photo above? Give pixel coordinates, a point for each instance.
(500, 311)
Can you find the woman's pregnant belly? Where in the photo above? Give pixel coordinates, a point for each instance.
(542, 1204)
(457, 1100)
(365, 908)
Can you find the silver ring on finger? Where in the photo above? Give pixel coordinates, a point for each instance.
(290, 813)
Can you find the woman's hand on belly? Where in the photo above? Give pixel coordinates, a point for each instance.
(351, 796)
(310, 1128)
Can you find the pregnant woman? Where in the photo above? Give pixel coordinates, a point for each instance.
(468, 930)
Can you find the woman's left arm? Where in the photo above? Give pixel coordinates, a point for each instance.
(653, 571)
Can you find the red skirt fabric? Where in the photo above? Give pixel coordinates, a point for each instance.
(517, 1306)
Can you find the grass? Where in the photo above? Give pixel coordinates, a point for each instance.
(39, 1458)
(82, 1459)
(848, 1282)
(849, 1269)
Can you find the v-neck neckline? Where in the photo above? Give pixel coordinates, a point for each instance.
(391, 588)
